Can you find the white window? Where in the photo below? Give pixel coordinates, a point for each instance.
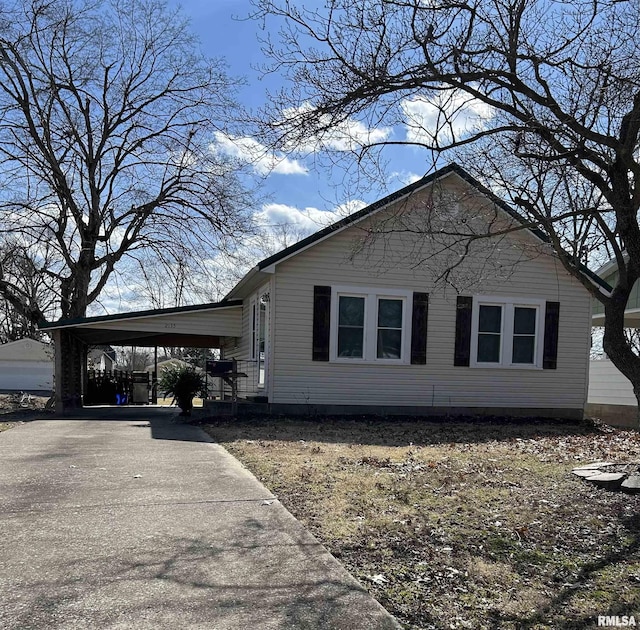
(506, 332)
(490, 322)
(370, 325)
(390, 322)
(525, 319)
(351, 326)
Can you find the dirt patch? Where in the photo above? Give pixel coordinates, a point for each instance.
(460, 524)
(17, 402)
(14, 411)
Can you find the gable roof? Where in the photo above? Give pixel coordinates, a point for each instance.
(256, 275)
(365, 212)
(371, 209)
(26, 350)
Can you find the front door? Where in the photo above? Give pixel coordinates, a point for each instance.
(263, 337)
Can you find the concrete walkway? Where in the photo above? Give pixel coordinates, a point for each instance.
(143, 523)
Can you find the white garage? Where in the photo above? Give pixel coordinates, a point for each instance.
(26, 365)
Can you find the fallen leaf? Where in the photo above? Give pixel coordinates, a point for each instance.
(378, 579)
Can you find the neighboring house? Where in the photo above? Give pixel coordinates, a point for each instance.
(609, 274)
(167, 363)
(353, 320)
(101, 358)
(608, 386)
(26, 365)
(611, 394)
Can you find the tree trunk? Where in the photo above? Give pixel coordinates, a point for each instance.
(617, 346)
(74, 290)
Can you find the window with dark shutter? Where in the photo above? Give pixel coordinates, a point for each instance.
(321, 322)
(462, 352)
(419, 328)
(389, 328)
(523, 351)
(351, 326)
(489, 333)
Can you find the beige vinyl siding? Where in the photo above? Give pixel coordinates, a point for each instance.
(608, 386)
(221, 321)
(26, 375)
(298, 379)
(240, 348)
(26, 350)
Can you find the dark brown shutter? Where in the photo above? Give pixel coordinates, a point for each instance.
(321, 322)
(419, 328)
(551, 321)
(462, 351)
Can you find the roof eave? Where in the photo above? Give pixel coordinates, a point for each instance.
(246, 284)
(89, 321)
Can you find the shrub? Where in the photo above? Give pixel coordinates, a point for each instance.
(183, 383)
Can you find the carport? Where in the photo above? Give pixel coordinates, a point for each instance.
(199, 326)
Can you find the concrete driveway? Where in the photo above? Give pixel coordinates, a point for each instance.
(143, 523)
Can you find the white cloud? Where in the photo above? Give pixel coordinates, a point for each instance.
(283, 225)
(404, 177)
(353, 134)
(304, 221)
(264, 162)
(348, 135)
(348, 207)
(447, 116)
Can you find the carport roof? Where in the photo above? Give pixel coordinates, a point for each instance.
(152, 328)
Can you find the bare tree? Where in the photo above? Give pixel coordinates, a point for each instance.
(28, 289)
(133, 359)
(107, 113)
(544, 95)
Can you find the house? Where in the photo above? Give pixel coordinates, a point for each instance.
(370, 315)
(26, 365)
(610, 395)
(101, 358)
(166, 364)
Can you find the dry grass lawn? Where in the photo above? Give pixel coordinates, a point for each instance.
(170, 401)
(454, 524)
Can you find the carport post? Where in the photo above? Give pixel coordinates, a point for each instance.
(57, 344)
(154, 378)
(70, 353)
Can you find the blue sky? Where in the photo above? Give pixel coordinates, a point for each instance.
(225, 31)
(295, 198)
(308, 196)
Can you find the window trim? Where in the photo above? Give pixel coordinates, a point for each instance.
(536, 337)
(371, 296)
(502, 332)
(378, 328)
(508, 305)
(263, 298)
(364, 324)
